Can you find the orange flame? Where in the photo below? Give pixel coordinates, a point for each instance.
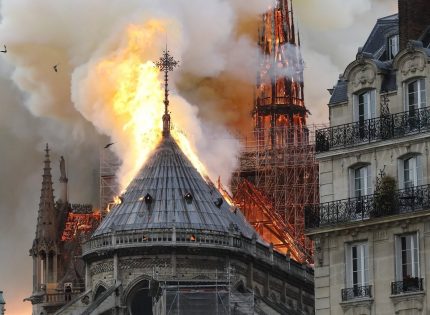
(135, 94)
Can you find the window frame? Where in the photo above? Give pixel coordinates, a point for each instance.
(390, 54)
(399, 256)
(367, 180)
(420, 90)
(362, 270)
(369, 109)
(416, 161)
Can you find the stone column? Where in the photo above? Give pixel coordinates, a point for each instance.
(173, 263)
(55, 275)
(38, 272)
(115, 267)
(35, 273)
(87, 277)
(47, 275)
(250, 278)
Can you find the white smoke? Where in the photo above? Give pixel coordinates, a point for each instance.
(331, 32)
(76, 35)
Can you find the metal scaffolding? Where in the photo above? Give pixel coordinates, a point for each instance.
(109, 186)
(278, 174)
(280, 182)
(211, 294)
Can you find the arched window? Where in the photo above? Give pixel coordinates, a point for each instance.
(139, 301)
(100, 290)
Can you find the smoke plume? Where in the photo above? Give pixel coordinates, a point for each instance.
(331, 32)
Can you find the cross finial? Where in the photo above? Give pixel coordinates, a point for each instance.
(166, 63)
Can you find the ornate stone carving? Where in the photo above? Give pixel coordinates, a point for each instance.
(358, 307)
(408, 304)
(413, 65)
(364, 77)
(127, 264)
(380, 235)
(319, 252)
(102, 267)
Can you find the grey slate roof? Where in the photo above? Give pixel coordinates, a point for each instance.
(340, 93)
(374, 49)
(167, 177)
(376, 43)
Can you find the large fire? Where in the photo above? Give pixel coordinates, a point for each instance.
(135, 94)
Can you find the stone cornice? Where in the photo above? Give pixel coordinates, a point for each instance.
(371, 224)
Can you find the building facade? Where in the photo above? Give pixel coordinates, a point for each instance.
(372, 228)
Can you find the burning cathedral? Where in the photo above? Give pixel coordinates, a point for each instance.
(173, 244)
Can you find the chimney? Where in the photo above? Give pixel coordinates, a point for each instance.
(2, 304)
(414, 18)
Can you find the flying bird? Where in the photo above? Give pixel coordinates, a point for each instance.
(4, 50)
(55, 68)
(109, 144)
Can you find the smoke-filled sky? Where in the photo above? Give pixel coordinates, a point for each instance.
(213, 40)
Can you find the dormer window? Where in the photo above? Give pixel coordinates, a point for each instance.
(393, 46)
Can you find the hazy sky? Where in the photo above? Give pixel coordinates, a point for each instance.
(331, 32)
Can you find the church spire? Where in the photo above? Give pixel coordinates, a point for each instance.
(46, 215)
(166, 63)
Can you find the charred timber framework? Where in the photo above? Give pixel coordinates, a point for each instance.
(273, 188)
(279, 160)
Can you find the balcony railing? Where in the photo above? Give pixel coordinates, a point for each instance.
(367, 207)
(356, 293)
(407, 285)
(372, 130)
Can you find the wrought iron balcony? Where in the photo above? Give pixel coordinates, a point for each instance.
(367, 207)
(356, 293)
(407, 285)
(372, 130)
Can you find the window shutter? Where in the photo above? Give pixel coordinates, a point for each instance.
(351, 183)
(419, 170)
(422, 91)
(398, 262)
(417, 254)
(366, 264)
(372, 104)
(401, 173)
(355, 108)
(348, 265)
(369, 188)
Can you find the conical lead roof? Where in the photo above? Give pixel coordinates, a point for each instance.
(168, 191)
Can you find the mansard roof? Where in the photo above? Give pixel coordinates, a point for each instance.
(340, 92)
(377, 41)
(168, 191)
(374, 51)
